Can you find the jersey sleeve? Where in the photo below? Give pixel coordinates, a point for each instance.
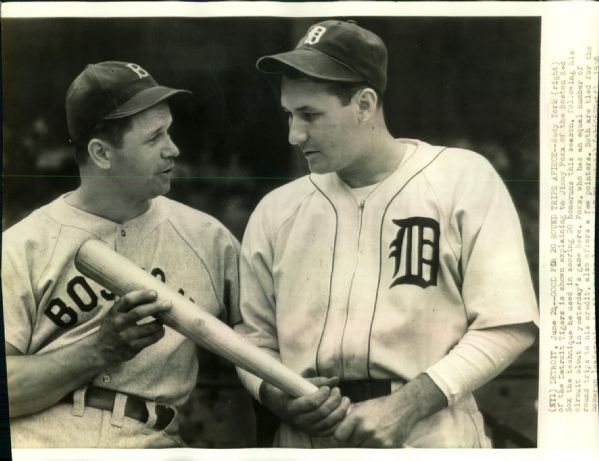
(18, 298)
(257, 317)
(497, 287)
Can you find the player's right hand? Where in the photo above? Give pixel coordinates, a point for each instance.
(316, 414)
(120, 337)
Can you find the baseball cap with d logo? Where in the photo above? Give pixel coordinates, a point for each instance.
(110, 90)
(335, 50)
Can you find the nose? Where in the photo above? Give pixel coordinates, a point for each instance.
(170, 149)
(297, 132)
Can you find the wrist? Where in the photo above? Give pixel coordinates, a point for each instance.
(93, 356)
(418, 399)
(427, 396)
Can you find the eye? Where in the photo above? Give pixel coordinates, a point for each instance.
(156, 136)
(310, 116)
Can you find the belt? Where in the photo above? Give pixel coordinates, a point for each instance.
(366, 389)
(135, 407)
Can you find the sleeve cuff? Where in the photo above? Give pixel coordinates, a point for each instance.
(251, 382)
(436, 373)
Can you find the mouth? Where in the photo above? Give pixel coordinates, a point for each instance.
(166, 171)
(307, 153)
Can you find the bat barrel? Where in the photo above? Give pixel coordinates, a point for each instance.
(195, 321)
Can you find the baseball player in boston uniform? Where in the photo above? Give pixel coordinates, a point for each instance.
(394, 275)
(86, 369)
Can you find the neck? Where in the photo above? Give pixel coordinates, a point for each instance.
(97, 197)
(381, 155)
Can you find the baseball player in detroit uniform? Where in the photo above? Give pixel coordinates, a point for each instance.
(394, 275)
(86, 369)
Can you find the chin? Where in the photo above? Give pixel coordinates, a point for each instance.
(319, 169)
(162, 188)
(157, 192)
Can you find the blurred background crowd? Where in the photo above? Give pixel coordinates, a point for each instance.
(463, 82)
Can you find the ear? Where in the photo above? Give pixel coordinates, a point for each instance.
(366, 100)
(100, 152)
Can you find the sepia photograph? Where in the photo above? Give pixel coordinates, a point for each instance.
(271, 232)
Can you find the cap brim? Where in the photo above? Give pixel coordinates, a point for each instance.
(143, 100)
(309, 62)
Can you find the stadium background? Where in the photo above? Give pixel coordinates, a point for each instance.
(466, 82)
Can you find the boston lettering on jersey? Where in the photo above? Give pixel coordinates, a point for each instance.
(416, 252)
(85, 298)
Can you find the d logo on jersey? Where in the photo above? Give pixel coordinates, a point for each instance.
(416, 252)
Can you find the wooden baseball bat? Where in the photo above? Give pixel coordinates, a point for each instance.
(120, 275)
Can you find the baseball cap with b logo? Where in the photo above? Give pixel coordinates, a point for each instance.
(110, 90)
(335, 50)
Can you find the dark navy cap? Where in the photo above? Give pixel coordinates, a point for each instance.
(110, 90)
(335, 50)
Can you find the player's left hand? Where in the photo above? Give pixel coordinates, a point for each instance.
(384, 422)
(387, 422)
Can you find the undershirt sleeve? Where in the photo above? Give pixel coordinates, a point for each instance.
(478, 357)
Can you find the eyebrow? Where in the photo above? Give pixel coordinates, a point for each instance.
(160, 128)
(299, 109)
(152, 133)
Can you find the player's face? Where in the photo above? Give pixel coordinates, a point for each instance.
(143, 165)
(321, 127)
